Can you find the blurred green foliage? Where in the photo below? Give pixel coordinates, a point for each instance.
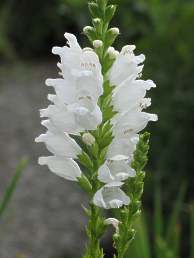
(167, 233)
(12, 186)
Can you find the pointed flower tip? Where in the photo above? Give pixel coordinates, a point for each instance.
(151, 84)
(42, 161)
(57, 50)
(48, 82)
(37, 139)
(153, 117)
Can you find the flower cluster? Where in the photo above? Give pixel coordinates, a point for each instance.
(94, 123)
(75, 111)
(74, 107)
(128, 101)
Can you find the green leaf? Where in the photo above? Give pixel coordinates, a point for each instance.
(158, 219)
(12, 185)
(94, 10)
(140, 247)
(109, 13)
(85, 160)
(85, 184)
(173, 221)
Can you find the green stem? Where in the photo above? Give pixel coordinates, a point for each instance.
(95, 229)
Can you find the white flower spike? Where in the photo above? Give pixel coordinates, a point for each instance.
(111, 196)
(74, 109)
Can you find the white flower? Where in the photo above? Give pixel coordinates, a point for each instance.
(128, 100)
(125, 65)
(74, 118)
(63, 167)
(130, 94)
(111, 196)
(74, 107)
(132, 121)
(74, 60)
(115, 170)
(123, 145)
(60, 144)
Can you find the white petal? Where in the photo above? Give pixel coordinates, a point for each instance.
(110, 197)
(115, 170)
(88, 85)
(133, 121)
(65, 89)
(125, 65)
(63, 167)
(87, 118)
(122, 146)
(62, 118)
(72, 41)
(60, 144)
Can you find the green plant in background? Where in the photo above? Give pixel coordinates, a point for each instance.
(12, 186)
(166, 231)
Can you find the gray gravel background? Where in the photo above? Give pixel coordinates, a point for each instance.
(44, 218)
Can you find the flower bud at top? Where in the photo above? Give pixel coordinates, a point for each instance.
(88, 139)
(97, 43)
(97, 20)
(115, 31)
(112, 52)
(87, 29)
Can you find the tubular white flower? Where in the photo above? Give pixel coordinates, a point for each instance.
(125, 65)
(132, 121)
(115, 170)
(75, 60)
(123, 145)
(111, 196)
(128, 100)
(60, 144)
(74, 107)
(63, 167)
(130, 94)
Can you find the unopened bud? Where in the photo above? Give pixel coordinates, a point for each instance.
(88, 139)
(87, 29)
(112, 52)
(97, 20)
(114, 222)
(97, 43)
(115, 31)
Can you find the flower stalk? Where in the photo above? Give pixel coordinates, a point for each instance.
(134, 188)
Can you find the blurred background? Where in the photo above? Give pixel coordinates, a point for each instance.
(44, 218)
